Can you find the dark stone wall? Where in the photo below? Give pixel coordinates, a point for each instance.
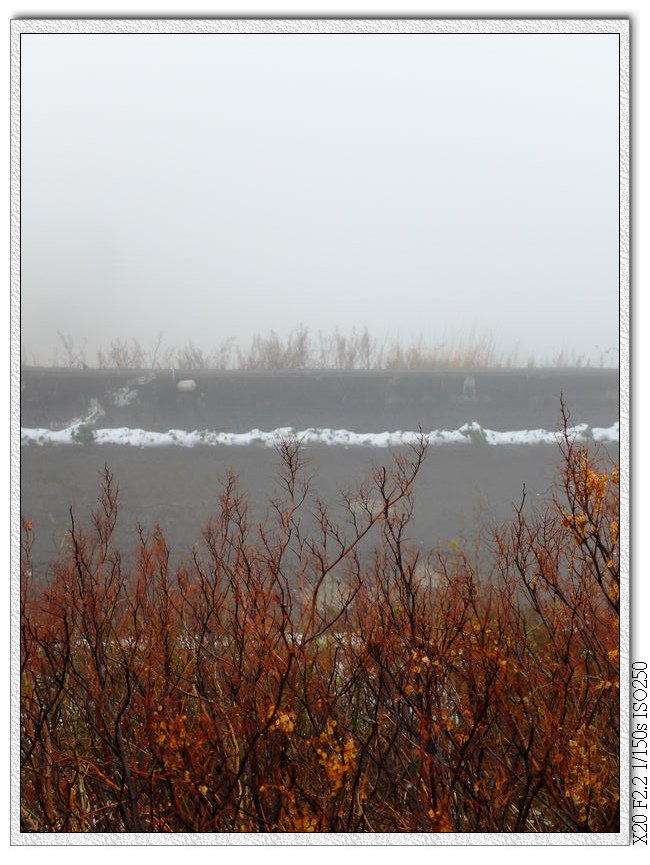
(364, 401)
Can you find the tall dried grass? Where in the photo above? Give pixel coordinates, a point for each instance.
(358, 349)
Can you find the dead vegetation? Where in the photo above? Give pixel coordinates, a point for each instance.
(301, 350)
(225, 696)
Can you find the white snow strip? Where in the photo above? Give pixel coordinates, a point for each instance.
(471, 433)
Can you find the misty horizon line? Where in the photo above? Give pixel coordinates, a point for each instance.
(357, 349)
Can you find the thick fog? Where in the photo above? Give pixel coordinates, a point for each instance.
(217, 186)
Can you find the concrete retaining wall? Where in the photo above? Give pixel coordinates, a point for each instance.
(237, 401)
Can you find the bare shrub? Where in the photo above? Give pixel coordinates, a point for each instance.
(74, 357)
(122, 354)
(226, 696)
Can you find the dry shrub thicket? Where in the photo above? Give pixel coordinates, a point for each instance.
(419, 696)
(301, 350)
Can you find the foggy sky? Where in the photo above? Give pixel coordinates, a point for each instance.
(215, 186)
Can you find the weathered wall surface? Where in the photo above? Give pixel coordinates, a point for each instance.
(355, 400)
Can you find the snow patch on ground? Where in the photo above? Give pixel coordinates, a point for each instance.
(124, 396)
(470, 433)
